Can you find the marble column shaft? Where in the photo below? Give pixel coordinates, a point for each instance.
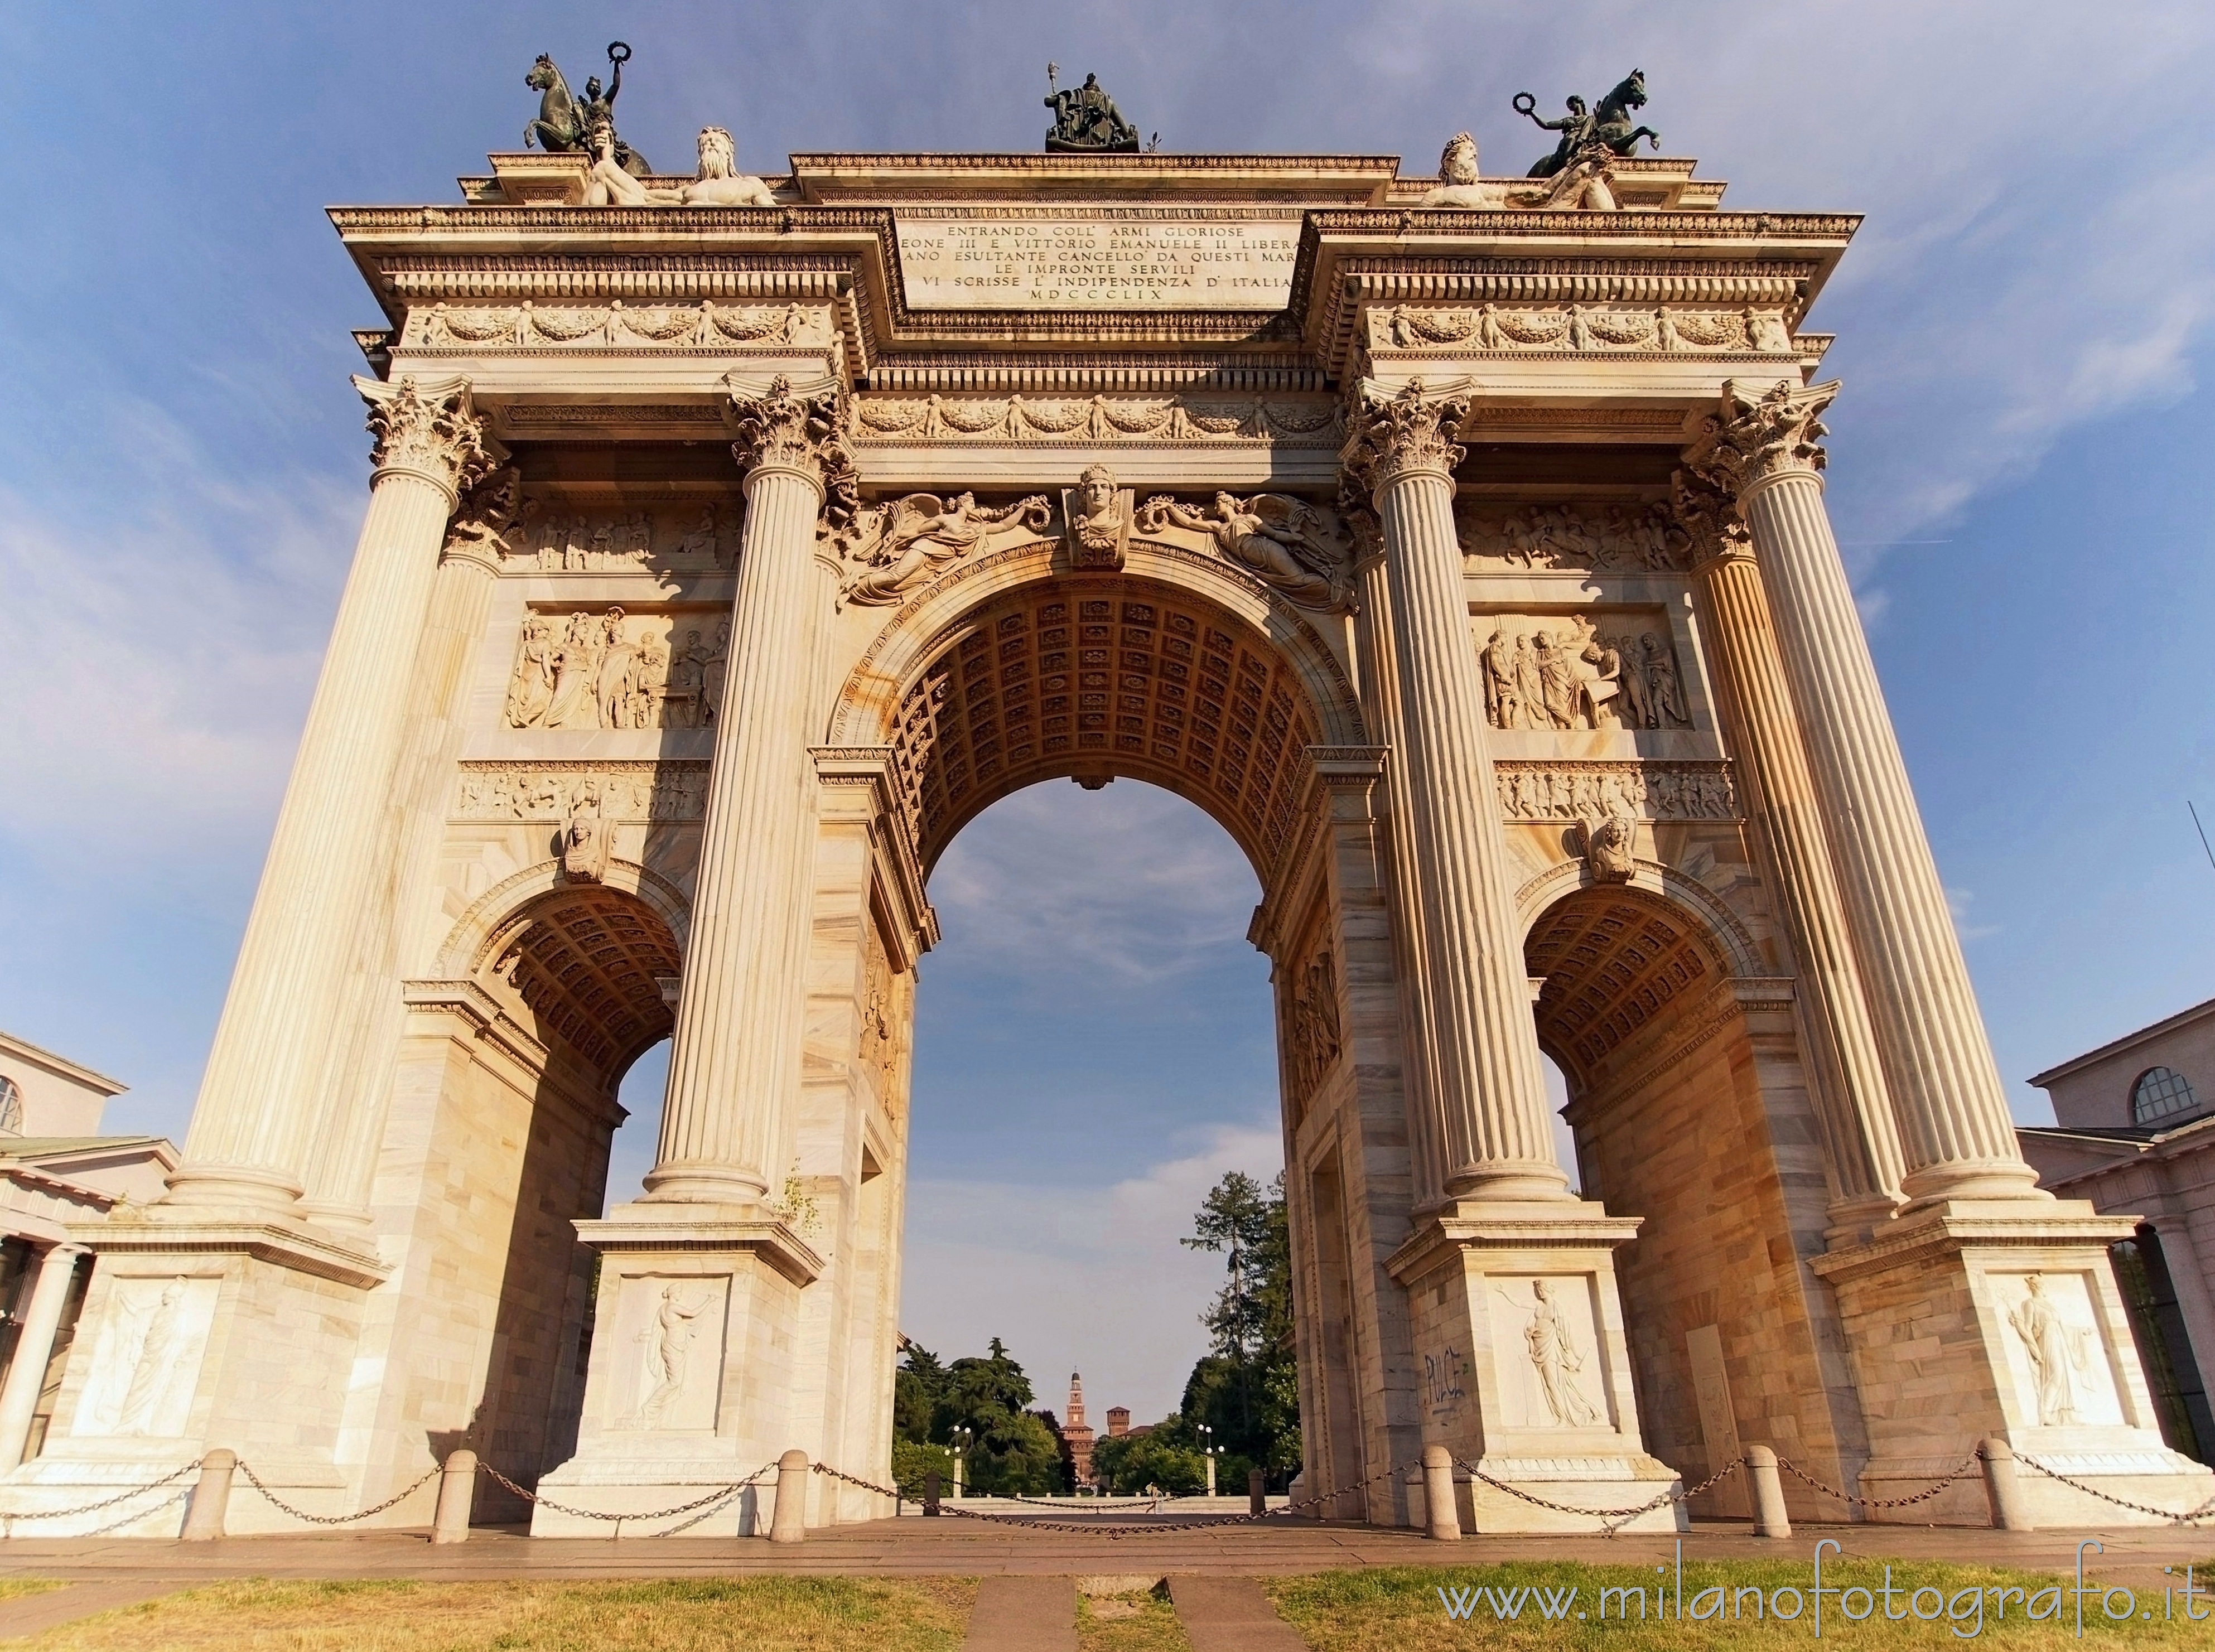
(734, 1069)
(34, 1348)
(1475, 1039)
(1956, 1136)
(365, 1047)
(1853, 1109)
(259, 1106)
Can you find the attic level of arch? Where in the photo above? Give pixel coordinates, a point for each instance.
(1351, 233)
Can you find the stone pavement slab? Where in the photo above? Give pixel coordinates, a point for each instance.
(1018, 1613)
(1230, 1614)
(37, 1613)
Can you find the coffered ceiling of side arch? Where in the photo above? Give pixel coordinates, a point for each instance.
(1614, 964)
(1099, 677)
(587, 963)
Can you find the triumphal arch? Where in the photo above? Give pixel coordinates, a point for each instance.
(1458, 545)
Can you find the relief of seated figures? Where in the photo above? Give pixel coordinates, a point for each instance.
(1570, 676)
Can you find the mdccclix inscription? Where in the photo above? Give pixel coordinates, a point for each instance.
(1002, 264)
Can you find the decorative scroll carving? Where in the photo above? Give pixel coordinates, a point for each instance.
(899, 544)
(1757, 439)
(1585, 328)
(1572, 790)
(1313, 1037)
(427, 430)
(486, 524)
(583, 839)
(603, 672)
(1097, 513)
(1609, 846)
(1402, 434)
(669, 790)
(1636, 538)
(1301, 549)
(1572, 677)
(1099, 419)
(616, 326)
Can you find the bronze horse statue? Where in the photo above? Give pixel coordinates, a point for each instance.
(559, 128)
(1609, 127)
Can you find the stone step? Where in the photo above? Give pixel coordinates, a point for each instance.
(1230, 1614)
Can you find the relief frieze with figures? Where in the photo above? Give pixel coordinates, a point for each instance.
(617, 670)
(670, 789)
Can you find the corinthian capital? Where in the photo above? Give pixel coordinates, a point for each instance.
(785, 429)
(1395, 436)
(1706, 506)
(1757, 439)
(426, 429)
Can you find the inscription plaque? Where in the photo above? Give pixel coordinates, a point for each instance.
(950, 263)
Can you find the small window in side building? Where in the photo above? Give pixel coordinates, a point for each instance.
(2161, 1093)
(11, 1108)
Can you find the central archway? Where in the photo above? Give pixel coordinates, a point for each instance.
(1181, 672)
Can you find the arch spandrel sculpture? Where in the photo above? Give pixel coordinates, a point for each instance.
(1494, 615)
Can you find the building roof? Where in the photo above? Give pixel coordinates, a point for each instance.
(23, 1049)
(2181, 1019)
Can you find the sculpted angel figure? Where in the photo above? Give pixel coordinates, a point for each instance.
(917, 536)
(1288, 542)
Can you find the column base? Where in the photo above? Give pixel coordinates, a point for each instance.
(1971, 1318)
(688, 1387)
(1523, 1369)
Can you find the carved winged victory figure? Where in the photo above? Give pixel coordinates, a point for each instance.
(1289, 543)
(902, 544)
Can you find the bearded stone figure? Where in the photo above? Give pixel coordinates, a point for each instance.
(720, 182)
(1458, 184)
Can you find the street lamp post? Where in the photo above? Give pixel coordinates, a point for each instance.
(962, 1435)
(1208, 1450)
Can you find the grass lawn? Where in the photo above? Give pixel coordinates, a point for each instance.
(1397, 1609)
(762, 1614)
(1142, 1620)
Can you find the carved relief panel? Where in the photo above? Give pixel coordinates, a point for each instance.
(1600, 537)
(147, 1362)
(615, 669)
(2055, 1350)
(671, 790)
(1607, 668)
(668, 1350)
(1545, 1336)
(884, 1023)
(551, 535)
(1313, 1037)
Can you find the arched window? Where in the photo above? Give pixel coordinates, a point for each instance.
(2161, 1093)
(11, 1108)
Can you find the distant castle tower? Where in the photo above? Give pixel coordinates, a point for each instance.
(1075, 1433)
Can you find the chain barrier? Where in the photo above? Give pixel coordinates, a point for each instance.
(702, 1506)
(106, 1502)
(2190, 1518)
(397, 1498)
(1611, 1519)
(1962, 1471)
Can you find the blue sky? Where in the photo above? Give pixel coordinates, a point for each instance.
(2017, 475)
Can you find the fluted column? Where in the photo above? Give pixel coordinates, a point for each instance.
(34, 1348)
(734, 1069)
(1956, 1137)
(258, 1104)
(1852, 1109)
(1470, 1035)
(366, 1035)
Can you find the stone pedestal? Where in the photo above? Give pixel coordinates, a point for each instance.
(1976, 1318)
(689, 1386)
(1522, 1371)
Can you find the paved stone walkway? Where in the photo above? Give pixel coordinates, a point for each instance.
(1230, 1614)
(37, 1613)
(1023, 1612)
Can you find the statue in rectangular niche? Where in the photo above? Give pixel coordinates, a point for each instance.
(146, 1361)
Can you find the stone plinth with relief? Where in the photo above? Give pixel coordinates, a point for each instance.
(1458, 545)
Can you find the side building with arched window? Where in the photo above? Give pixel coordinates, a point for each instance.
(2134, 1132)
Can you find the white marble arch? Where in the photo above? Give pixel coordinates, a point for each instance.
(476, 935)
(1733, 941)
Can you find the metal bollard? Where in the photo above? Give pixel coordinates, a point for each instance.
(1770, 1518)
(457, 1489)
(1438, 1494)
(2003, 1493)
(930, 1492)
(1257, 1496)
(211, 1497)
(789, 1523)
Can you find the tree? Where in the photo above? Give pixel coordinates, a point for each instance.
(917, 1387)
(1008, 1449)
(1246, 1390)
(1127, 1464)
